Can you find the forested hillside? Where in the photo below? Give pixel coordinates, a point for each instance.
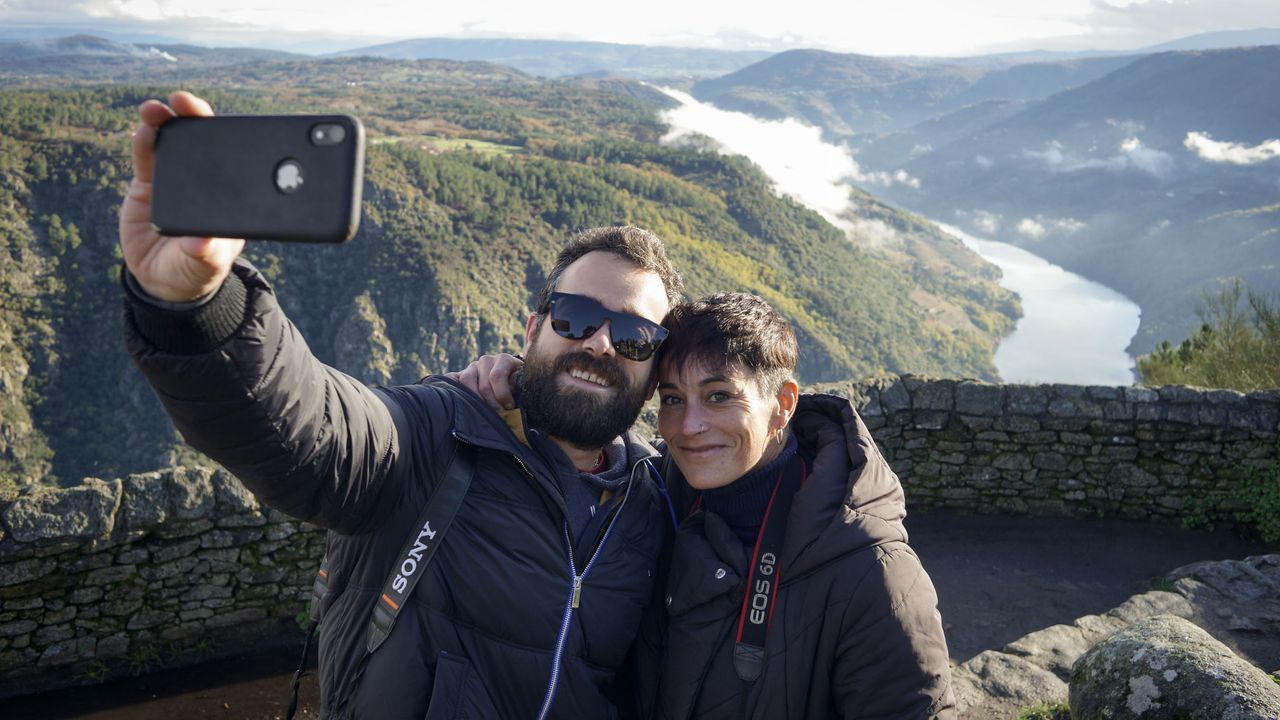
(475, 176)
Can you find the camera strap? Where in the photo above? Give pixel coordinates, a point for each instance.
(758, 601)
(412, 562)
(422, 544)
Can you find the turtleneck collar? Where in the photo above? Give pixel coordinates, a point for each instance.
(742, 502)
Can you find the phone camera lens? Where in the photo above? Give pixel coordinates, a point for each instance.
(328, 134)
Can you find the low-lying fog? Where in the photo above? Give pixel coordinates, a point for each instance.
(1073, 330)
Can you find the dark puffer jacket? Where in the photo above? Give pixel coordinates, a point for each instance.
(490, 631)
(856, 631)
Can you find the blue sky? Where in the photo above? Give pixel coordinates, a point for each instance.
(882, 27)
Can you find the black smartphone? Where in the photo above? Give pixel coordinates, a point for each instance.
(259, 177)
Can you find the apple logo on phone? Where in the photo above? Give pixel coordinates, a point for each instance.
(289, 176)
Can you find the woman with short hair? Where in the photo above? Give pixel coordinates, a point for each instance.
(792, 591)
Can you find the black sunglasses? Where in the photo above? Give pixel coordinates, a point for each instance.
(577, 317)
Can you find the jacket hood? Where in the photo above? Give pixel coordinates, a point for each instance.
(850, 499)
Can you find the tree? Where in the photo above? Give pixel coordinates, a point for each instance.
(1236, 347)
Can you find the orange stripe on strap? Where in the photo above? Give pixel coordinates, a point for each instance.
(390, 602)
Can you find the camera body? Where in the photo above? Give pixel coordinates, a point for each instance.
(259, 177)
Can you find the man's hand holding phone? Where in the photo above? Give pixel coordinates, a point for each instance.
(173, 269)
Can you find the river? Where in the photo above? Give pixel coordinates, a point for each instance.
(1072, 331)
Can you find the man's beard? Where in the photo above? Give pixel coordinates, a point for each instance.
(585, 419)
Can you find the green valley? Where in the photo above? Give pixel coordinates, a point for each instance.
(476, 174)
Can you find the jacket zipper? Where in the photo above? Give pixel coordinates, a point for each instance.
(575, 597)
(575, 587)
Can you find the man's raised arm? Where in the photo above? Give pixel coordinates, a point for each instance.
(234, 374)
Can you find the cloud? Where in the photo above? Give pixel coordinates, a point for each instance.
(1031, 228)
(1128, 127)
(983, 161)
(1139, 23)
(875, 233)
(1211, 150)
(907, 27)
(790, 152)
(899, 177)
(983, 221)
(141, 9)
(1133, 156)
(1038, 227)
(793, 154)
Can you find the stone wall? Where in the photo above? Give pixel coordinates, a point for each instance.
(1133, 452)
(169, 568)
(157, 570)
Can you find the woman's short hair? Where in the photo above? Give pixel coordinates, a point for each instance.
(727, 329)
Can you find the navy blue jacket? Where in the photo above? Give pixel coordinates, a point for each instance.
(490, 630)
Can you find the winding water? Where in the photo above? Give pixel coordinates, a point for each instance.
(1073, 330)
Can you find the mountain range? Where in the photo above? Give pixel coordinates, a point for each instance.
(1152, 174)
(1158, 179)
(558, 58)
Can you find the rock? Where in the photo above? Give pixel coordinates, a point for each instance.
(145, 501)
(1054, 648)
(936, 395)
(1138, 394)
(1253, 579)
(895, 397)
(236, 618)
(192, 493)
(24, 571)
(1015, 678)
(1027, 399)
(1165, 668)
(1150, 604)
(233, 498)
(87, 511)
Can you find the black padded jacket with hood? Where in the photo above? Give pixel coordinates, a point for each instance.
(855, 632)
(491, 630)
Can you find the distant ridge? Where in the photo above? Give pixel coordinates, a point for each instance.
(84, 45)
(846, 93)
(558, 58)
(69, 45)
(1221, 40)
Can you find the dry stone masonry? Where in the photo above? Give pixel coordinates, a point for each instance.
(158, 569)
(167, 568)
(1134, 452)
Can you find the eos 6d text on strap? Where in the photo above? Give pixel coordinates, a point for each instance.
(762, 578)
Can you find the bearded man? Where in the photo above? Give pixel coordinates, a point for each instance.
(531, 605)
